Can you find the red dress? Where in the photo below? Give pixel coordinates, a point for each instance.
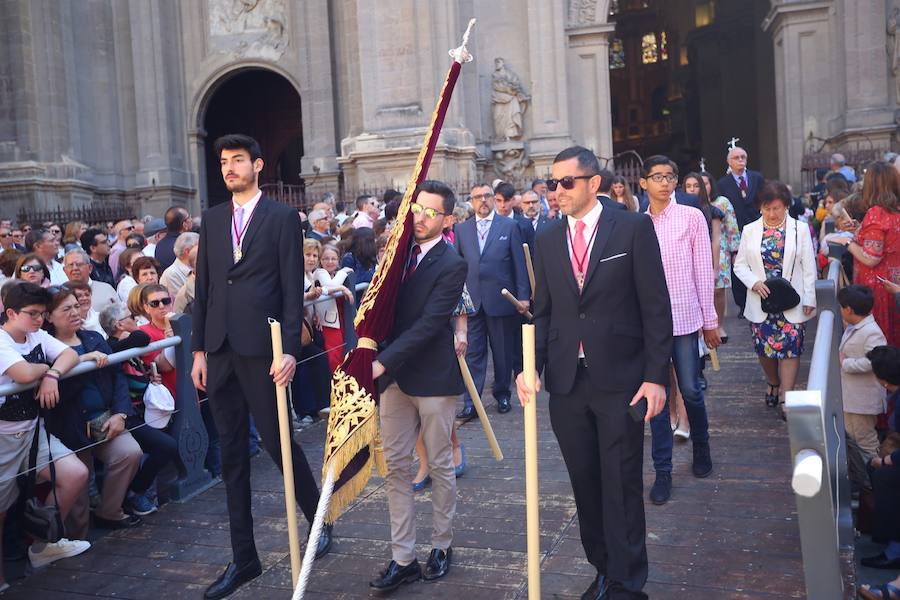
(879, 236)
(156, 334)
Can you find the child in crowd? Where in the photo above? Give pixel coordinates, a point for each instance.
(863, 395)
(26, 353)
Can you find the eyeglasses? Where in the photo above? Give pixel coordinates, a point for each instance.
(75, 265)
(35, 314)
(568, 182)
(482, 196)
(659, 178)
(56, 231)
(128, 228)
(418, 209)
(156, 303)
(31, 268)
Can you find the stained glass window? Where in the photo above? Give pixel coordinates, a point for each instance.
(663, 46)
(649, 50)
(616, 54)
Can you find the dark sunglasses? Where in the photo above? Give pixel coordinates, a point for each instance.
(31, 268)
(567, 182)
(163, 301)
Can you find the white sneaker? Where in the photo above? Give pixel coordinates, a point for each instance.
(51, 553)
(682, 434)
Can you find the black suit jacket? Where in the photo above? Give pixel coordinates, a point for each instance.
(745, 210)
(233, 301)
(527, 230)
(609, 203)
(419, 354)
(623, 316)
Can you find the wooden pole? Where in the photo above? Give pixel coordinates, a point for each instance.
(479, 407)
(532, 505)
(714, 357)
(287, 458)
(529, 266)
(512, 300)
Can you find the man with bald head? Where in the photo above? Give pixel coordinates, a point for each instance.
(740, 186)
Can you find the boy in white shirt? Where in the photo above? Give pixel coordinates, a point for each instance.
(26, 351)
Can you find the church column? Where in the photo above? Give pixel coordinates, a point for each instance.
(589, 104)
(549, 82)
(804, 87)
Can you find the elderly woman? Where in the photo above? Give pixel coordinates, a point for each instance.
(94, 407)
(32, 269)
(146, 270)
(773, 246)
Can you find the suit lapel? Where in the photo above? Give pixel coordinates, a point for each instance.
(561, 243)
(493, 232)
(430, 258)
(604, 229)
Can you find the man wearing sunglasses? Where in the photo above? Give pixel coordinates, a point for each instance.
(603, 339)
(122, 230)
(492, 247)
(249, 268)
(419, 380)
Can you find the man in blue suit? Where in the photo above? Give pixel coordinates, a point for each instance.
(491, 244)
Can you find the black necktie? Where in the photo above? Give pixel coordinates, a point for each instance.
(413, 261)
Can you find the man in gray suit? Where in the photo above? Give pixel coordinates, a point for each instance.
(491, 244)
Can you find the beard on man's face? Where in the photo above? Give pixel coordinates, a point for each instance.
(239, 183)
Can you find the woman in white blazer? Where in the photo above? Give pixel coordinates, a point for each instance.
(777, 245)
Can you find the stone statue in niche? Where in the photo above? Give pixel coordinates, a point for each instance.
(510, 163)
(508, 102)
(893, 31)
(248, 27)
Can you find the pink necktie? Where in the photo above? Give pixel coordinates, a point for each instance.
(579, 253)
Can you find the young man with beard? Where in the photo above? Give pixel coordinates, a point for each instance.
(419, 376)
(249, 268)
(603, 335)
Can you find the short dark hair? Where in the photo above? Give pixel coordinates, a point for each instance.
(390, 210)
(537, 182)
(440, 188)
(507, 190)
(237, 141)
(389, 195)
(655, 161)
(145, 262)
(774, 190)
(362, 200)
(34, 236)
(175, 217)
(885, 363)
(26, 294)
(606, 181)
(857, 298)
(587, 160)
(89, 238)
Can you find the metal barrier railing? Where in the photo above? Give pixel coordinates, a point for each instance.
(820, 480)
(187, 426)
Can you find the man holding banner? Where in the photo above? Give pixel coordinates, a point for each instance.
(419, 379)
(603, 335)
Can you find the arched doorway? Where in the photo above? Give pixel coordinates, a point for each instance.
(688, 75)
(265, 106)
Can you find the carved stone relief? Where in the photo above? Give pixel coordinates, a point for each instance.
(508, 102)
(253, 28)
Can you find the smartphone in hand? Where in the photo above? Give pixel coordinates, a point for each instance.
(638, 411)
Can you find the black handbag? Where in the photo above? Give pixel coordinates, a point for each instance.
(40, 521)
(782, 295)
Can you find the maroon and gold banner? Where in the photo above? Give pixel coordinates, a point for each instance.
(352, 442)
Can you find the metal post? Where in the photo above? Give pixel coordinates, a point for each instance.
(188, 427)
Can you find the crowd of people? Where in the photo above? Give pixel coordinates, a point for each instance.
(75, 292)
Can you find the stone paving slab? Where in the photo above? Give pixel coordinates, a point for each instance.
(733, 535)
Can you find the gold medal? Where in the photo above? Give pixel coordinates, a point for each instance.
(238, 254)
(580, 279)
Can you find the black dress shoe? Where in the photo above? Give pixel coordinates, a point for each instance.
(127, 522)
(233, 578)
(598, 590)
(466, 414)
(395, 576)
(880, 562)
(324, 541)
(503, 405)
(438, 564)
(662, 488)
(702, 466)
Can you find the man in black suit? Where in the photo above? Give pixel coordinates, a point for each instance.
(420, 378)
(249, 268)
(503, 205)
(603, 337)
(531, 213)
(740, 186)
(603, 196)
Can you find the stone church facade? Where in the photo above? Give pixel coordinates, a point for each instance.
(110, 101)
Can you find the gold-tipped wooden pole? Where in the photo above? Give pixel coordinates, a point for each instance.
(532, 505)
(512, 300)
(714, 358)
(287, 458)
(529, 266)
(479, 407)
